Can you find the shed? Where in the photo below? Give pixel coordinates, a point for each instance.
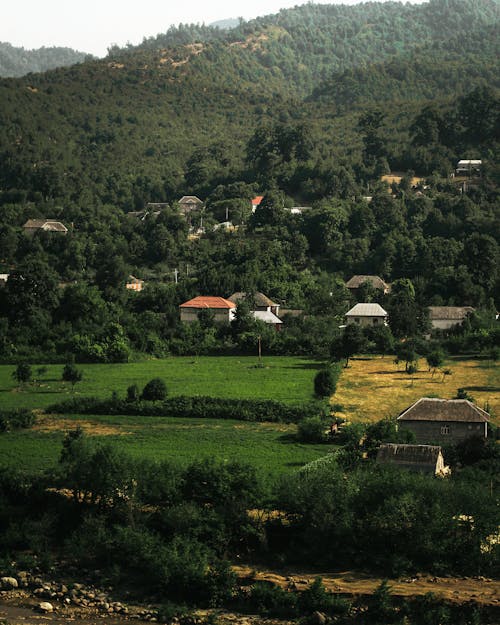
(420, 458)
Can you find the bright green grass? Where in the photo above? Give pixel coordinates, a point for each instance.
(270, 448)
(285, 379)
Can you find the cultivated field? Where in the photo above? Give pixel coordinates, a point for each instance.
(269, 447)
(373, 388)
(284, 379)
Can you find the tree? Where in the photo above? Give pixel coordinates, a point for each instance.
(155, 390)
(406, 353)
(23, 373)
(350, 342)
(325, 381)
(72, 374)
(132, 393)
(435, 360)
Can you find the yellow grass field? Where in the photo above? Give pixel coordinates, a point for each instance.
(373, 388)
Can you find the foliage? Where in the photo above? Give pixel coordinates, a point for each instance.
(155, 390)
(71, 374)
(325, 381)
(23, 373)
(311, 430)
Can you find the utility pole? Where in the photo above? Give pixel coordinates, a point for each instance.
(227, 213)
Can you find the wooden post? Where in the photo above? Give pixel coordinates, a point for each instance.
(260, 349)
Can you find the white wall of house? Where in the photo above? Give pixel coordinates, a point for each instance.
(221, 315)
(367, 321)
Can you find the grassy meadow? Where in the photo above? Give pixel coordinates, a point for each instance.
(269, 447)
(285, 379)
(374, 388)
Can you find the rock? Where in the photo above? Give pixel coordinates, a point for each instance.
(45, 607)
(318, 618)
(8, 583)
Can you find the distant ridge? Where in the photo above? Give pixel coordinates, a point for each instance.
(16, 62)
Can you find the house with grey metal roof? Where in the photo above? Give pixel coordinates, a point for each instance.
(367, 314)
(449, 421)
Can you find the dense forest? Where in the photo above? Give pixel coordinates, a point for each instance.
(16, 61)
(309, 107)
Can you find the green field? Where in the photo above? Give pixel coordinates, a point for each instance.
(283, 379)
(269, 447)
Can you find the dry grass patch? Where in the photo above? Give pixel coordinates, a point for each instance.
(373, 388)
(91, 428)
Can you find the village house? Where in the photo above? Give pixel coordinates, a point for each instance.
(256, 202)
(258, 301)
(223, 310)
(444, 420)
(421, 458)
(189, 204)
(375, 281)
(468, 167)
(134, 284)
(446, 317)
(367, 314)
(43, 225)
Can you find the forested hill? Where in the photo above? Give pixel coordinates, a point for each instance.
(16, 61)
(177, 112)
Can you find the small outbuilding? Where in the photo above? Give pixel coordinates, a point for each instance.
(421, 458)
(367, 314)
(268, 317)
(448, 421)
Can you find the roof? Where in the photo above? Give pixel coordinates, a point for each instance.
(259, 299)
(395, 453)
(469, 163)
(376, 281)
(266, 316)
(449, 312)
(257, 200)
(46, 224)
(366, 310)
(4, 277)
(203, 301)
(190, 199)
(454, 410)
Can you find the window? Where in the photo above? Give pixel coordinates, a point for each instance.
(357, 319)
(445, 429)
(375, 321)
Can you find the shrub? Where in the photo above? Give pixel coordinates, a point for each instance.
(132, 393)
(325, 381)
(23, 373)
(155, 390)
(71, 374)
(311, 430)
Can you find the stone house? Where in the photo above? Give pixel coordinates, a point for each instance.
(444, 420)
(367, 315)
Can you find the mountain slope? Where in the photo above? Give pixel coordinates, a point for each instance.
(15, 61)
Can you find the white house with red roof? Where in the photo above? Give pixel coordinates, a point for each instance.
(256, 202)
(222, 309)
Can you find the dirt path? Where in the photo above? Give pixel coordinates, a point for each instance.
(484, 591)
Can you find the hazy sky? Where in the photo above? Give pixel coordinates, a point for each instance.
(92, 25)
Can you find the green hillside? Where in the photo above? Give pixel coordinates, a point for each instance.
(15, 61)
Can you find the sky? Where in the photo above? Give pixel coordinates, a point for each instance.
(93, 25)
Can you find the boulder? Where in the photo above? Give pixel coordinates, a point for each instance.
(45, 607)
(8, 583)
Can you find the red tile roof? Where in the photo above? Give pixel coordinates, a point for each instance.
(257, 200)
(203, 301)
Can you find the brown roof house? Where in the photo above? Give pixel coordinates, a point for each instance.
(222, 309)
(189, 204)
(258, 301)
(46, 225)
(445, 317)
(368, 314)
(444, 420)
(421, 458)
(375, 281)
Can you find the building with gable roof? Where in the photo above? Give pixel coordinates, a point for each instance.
(448, 421)
(222, 309)
(367, 314)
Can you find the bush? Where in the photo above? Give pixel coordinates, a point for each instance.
(311, 430)
(132, 393)
(16, 419)
(23, 373)
(325, 381)
(155, 390)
